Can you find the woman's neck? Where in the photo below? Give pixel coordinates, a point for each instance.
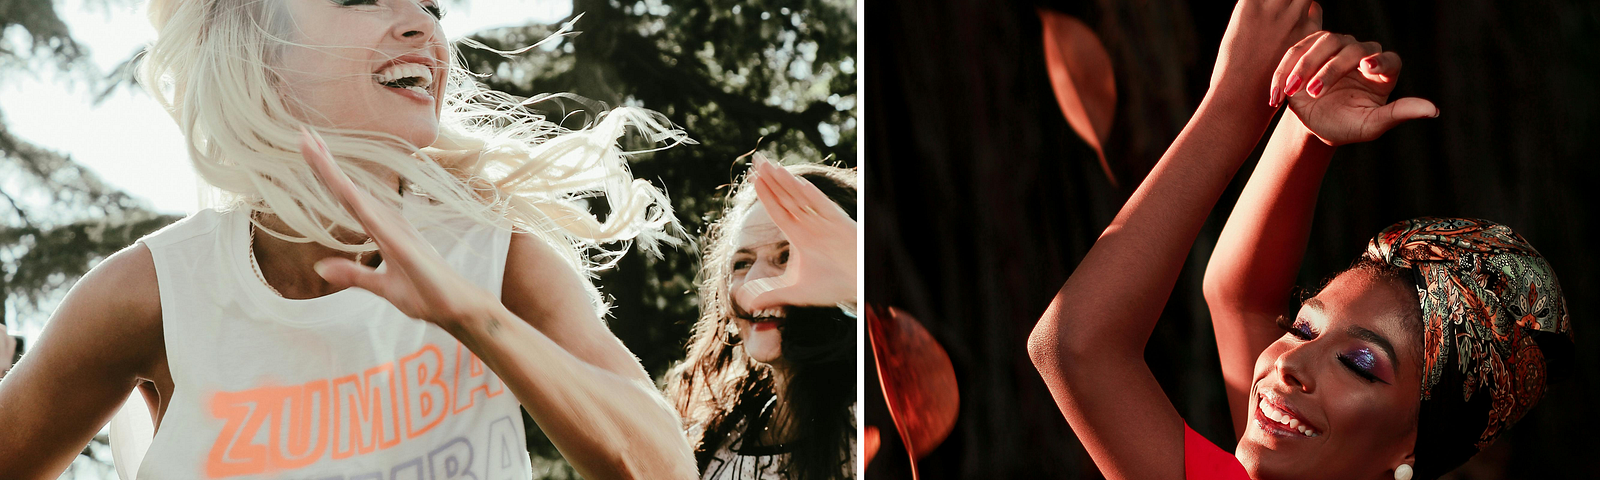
(287, 266)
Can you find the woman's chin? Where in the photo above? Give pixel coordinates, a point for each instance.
(763, 345)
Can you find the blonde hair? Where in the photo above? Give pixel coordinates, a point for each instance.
(494, 161)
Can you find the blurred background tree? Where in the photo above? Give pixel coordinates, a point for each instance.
(57, 219)
(779, 75)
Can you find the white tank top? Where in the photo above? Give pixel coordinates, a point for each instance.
(343, 386)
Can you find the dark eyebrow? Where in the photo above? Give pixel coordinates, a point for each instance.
(1359, 332)
(1314, 303)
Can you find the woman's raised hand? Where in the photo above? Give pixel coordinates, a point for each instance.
(822, 244)
(1339, 87)
(416, 280)
(1258, 34)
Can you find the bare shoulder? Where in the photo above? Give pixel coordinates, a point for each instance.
(539, 279)
(544, 289)
(125, 282)
(98, 345)
(116, 308)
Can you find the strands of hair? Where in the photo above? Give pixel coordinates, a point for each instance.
(494, 161)
(718, 387)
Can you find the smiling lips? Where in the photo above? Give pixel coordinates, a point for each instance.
(409, 73)
(1271, 411)
(766, 319)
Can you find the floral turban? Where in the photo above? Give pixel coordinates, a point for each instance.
(1492, 317)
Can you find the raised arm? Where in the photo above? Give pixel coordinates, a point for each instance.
(1089, 345)
(100, 343)
(1342, 87)
(588, 394)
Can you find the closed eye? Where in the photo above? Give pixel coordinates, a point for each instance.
(1355, 361)
(1298, 327)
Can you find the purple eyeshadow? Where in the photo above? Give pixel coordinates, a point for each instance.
(1362, 359)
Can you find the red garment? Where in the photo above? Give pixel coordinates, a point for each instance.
(1203, 460)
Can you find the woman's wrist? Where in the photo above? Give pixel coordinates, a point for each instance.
(480, 320)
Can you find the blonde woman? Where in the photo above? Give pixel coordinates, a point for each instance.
(459, 221)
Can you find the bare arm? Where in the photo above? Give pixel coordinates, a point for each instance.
(1089, 344)
(585, 389)
(99, 344)
(1252, 271)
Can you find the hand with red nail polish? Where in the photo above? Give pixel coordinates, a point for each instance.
(1347, 99)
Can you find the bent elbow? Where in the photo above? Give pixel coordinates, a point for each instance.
(1219, 289)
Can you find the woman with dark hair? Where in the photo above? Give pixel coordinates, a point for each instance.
(767, 389)
(1402, 367)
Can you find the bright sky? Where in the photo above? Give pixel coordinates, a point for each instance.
(128, 140)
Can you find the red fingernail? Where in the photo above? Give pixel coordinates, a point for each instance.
(1291, 85)
(1272, 100)
(1315, 88)
(1370, 63)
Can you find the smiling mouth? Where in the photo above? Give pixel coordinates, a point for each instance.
(1269, 414)
(406, 76)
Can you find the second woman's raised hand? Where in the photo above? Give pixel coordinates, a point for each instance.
(415, 279)
(822, 244)
(1339, 87)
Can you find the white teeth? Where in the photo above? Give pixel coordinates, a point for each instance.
(1283, 418)
(422, 73)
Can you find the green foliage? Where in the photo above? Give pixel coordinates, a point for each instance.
(729, 76)
(736, 75)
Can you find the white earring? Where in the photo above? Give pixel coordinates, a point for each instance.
(1402, 472)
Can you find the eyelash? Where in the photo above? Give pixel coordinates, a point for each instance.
(1304, 332)
(438, 13)
(1351, 364)
(1292, 327)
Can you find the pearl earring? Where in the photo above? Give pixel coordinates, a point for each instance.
(1402, 472)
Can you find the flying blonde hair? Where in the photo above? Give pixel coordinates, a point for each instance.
(494, 161)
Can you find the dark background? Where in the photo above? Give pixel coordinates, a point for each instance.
(981, 199)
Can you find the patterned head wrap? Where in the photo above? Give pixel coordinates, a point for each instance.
(1492, 315)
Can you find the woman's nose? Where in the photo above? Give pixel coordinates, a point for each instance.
(413, 23)
(1293, 367)
(763, 268)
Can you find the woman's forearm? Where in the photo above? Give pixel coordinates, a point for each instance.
(1252, 271)
(1117, 292)
(605, 424)
(1258, 254)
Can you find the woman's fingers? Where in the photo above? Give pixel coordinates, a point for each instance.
(1397, 112)
(1313, 19)
(1346, 61)
(383, 224)
(1323, 50)
(343, 272)
(781, 214)
(1280, 77)
(1383, 67)
(764, 293)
